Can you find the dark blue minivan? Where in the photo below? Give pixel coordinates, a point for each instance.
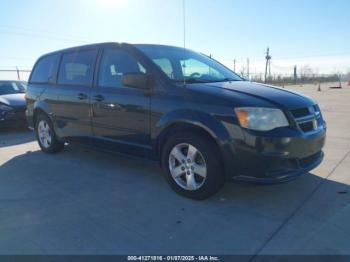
(201, 121)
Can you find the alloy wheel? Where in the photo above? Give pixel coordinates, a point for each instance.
(187, 166)
(44, 134)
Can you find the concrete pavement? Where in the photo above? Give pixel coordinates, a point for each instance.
(86, 202)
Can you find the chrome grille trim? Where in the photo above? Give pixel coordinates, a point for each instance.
(310, 120)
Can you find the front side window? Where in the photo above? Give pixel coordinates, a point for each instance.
(45, 70)
(114, 64)
(165, 65)
(181, 65)
(193, 68)
(77, 68)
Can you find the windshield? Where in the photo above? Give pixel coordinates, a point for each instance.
(12, 87)
(185, 65)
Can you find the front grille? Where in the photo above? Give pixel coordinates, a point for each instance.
(300, 112)
(307, 127)
(307, 119)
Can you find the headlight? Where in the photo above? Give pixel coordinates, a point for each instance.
(5, 108)
(261, 119)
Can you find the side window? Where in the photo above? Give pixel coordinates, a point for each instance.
(114, 64)
(165, 66)
(45, 70)
(77, 68)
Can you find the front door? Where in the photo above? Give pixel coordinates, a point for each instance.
(119, 113)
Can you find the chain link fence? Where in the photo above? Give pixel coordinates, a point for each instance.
(285, 79)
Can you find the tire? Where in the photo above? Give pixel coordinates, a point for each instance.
(202, 175)
(46, 136)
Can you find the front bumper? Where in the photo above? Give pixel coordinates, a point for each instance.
(279, 157)
(29, 118)
(287, 174)
(14, 118)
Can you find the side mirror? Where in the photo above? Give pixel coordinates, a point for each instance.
(137, 80)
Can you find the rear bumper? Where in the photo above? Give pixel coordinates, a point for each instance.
(277, 158)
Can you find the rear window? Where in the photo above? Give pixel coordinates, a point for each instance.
(77, 68)
(45, 69)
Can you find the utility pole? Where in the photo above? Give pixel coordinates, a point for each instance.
(248, 73)
(18, 76)
(268, 63)
(295, 75)
(234, 65)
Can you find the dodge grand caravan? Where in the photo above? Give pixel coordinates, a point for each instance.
(201, 121)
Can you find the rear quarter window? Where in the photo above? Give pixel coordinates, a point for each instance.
(45, 70)
(77, 68)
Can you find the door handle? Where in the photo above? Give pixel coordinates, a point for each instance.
(99, 98)
(82, 96)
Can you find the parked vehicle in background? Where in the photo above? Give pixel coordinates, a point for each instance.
(12, 103)
(200, 120)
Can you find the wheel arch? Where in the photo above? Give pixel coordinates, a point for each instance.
(196, 122)
(41, 108)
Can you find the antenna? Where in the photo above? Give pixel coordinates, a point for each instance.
(184, 38)
(184, 21)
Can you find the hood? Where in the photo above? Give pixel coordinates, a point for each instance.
(278, 96)
(14, 100)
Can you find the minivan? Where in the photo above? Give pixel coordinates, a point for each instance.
(201, 121)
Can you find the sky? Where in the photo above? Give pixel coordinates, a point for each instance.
(298, 32)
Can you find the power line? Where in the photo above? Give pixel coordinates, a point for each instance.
(17, 29)
(296, 57)
(42, 37)
(314, 56)
(17, 58)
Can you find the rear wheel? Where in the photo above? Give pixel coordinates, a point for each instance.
(193, 165)
(46, 136)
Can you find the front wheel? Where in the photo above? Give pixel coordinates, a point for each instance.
(46, 136)
(193, 165)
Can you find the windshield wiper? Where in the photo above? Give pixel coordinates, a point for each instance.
(228, 80)
(197, 80)
(191, 81)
